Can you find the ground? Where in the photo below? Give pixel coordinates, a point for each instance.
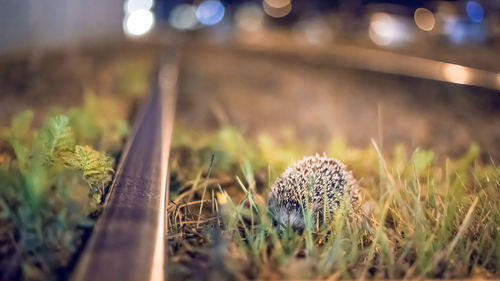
(222, 85)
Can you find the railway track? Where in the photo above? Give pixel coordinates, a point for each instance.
(359, 58)
(127, 242)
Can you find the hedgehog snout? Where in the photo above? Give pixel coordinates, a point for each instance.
(284, 217)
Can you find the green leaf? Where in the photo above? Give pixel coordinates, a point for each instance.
(57, 136)
(96, 167)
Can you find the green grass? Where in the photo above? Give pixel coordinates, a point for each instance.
(53, 177)
(52, 185)
(419, 216)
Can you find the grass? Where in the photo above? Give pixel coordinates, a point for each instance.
(54, 173)
(420, 217)
(52, 184)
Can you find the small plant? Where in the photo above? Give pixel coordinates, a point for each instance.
(43, 205)
(53, 176)
(95, 167)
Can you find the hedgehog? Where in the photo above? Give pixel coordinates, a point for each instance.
(308, 179)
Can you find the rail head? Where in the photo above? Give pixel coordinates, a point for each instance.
(363, 58)
(127, 242)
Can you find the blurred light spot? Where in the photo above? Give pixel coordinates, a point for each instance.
(386, 30)
(498, 79)
(312, 31)
(277, 4)
(455, 73)
(474, 11)
(249, 17)
(134, 5)
(277, 8)
(138, 23)
(424, 19)
(210, 12)
(183, 17)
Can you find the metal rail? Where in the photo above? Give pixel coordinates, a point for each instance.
(127, 242)
(369, 59)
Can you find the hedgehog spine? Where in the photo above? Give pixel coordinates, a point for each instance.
(303, 185)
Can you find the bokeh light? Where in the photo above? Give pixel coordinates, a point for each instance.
(210, 12)
(455, 73)
(134, 5)
(474, 11)
(424, 19)
(183, 17)
(277, 8)
(138, 23)
(277, 4)
(386, 30)
(382, 29)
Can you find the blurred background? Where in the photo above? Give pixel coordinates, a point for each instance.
(422, 73)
